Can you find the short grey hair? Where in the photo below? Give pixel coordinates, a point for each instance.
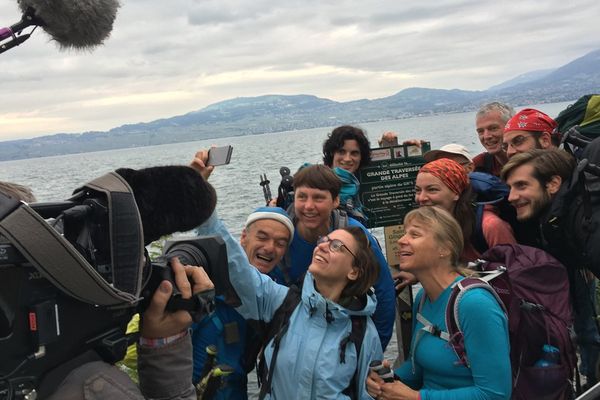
(506, 111)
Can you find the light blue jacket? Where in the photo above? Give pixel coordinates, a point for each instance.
(308, 363)
(299, 257)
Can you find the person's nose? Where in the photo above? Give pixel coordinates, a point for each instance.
(324, 245)
(309, 204)
(487, 133)
(513, 195)
(269, 246)
(403, 240)
(510, 150)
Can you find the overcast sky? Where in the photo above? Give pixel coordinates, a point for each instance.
(169, 57)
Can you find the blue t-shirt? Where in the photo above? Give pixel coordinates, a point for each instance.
(485, 329)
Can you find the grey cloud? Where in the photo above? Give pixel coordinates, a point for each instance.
(172, 45)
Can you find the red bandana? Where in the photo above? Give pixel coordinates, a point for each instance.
(451, 173)
(530, 120)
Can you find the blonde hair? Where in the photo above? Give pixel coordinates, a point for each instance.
(444, 226)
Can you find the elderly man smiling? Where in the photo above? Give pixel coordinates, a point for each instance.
(490, 121)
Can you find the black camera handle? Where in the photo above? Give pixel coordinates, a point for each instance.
(57, 259)
(199, 305)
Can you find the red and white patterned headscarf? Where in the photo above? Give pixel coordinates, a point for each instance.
(531, 120)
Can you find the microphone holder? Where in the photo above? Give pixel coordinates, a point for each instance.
(14, 31)
(17, 40)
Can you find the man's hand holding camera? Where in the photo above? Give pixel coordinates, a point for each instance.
(159, 323)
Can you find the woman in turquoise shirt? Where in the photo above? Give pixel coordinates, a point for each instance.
(430, 250)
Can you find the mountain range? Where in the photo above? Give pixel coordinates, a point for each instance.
(276, 113)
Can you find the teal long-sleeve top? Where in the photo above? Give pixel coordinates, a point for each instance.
(485, 327)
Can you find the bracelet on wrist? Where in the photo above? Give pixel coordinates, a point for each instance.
(160, 342)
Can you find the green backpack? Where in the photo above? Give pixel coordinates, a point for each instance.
(584, 114)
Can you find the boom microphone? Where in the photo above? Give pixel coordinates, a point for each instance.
(170, 199)
(71, 23)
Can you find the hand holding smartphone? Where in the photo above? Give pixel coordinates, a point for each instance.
(219, 155)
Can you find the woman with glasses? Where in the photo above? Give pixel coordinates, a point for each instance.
(445, 183)
(316, 356)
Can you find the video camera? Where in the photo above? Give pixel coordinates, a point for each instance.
(73, 273)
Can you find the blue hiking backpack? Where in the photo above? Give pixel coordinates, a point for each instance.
(489, 189)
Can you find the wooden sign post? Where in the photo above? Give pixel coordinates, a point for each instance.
(387, 192)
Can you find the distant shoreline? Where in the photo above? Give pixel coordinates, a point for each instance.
(71, 144)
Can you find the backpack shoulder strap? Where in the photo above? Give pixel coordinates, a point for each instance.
(339, 219)
(356, 336)
(456, 337)
(428, 327)
(276, 329)
(478, 238)
(488, 162)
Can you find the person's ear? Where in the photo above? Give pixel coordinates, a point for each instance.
(336, 202)
(553, 184)
(244, 238)
(353, 274)
(444, 250)
(545, 140)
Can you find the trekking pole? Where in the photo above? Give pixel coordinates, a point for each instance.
(264, 182)
(209, 364)
(214, 381)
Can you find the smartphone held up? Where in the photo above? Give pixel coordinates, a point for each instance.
(219, 155)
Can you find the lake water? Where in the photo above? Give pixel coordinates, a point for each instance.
(237, 184)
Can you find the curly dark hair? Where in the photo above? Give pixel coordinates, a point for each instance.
(337, 137)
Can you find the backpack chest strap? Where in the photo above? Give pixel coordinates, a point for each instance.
(427, 327)
(431, 328)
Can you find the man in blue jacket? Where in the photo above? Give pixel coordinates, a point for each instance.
(265, 239)
(315, 214)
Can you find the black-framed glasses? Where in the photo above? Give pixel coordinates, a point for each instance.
(335, 245)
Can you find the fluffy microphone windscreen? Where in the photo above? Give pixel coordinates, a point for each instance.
(75, 23)
(170, 199)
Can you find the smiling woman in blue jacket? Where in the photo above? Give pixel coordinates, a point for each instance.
(314, 359)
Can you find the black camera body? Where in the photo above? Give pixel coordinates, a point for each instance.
(42, 327)
(45, 330)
